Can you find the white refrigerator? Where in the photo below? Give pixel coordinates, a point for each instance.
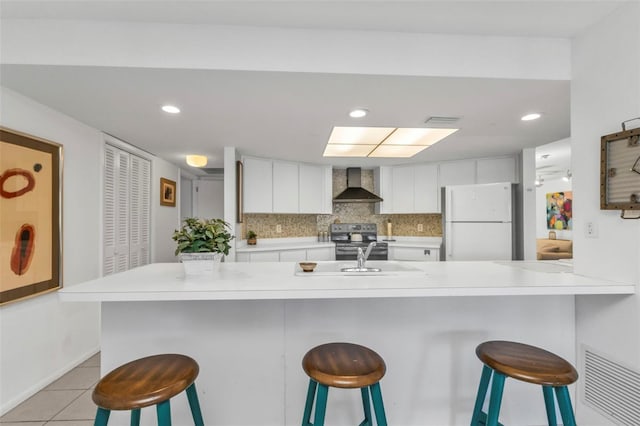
(478, 222)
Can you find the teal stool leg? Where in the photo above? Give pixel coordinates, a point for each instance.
(482, 394)
(549, 403)
(192, 396)
(378, 406)
(135, 417)
(497, 386)
(564, 402)
(102, 417)
(311, 395)
(321, 405)
(164, 413)
(366, 406)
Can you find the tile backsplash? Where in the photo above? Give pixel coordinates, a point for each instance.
(308, 225)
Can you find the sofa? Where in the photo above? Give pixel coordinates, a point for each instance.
(547, 249)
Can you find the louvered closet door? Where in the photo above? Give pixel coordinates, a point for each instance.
(116, 211)
(110, 207)
(139, 220)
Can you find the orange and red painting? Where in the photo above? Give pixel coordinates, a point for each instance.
(29, 215)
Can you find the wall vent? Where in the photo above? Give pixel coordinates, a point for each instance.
(611, 389)
(214, 171)
(442, 121)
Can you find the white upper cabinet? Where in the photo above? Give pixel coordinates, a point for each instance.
(492, 170)
(315, 189)
(257, 185)
(402, 193)
(408, 189)
(273, 186)
(285, 187)
(457, 173)
(426, 189)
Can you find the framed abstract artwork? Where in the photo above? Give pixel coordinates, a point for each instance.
(31, 215)
(167, 192)
(559, 210)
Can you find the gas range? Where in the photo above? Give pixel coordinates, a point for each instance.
(351, 236)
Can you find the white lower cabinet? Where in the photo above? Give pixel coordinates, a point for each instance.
(422, 254)
(322, 253)
(293, 255)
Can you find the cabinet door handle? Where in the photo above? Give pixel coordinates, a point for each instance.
(427, 252)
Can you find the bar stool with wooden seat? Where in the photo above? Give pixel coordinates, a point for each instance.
(529, 364)
(348, 366)
(153, 380)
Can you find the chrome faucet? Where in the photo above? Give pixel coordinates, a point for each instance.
(363, 256)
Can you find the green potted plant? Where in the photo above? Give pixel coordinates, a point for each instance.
(252, 238)
(201, 244)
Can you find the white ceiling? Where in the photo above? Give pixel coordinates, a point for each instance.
(290, 115)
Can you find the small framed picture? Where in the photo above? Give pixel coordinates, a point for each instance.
(167, 192)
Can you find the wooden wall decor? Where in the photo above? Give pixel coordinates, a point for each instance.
(30, 210)
(620, 172)
(168, 192)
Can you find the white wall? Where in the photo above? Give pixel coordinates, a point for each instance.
(186, 197)
(243, 48)
(555, 185)
(42, 338)
(209, 198)
(605, 90)
(164, 219)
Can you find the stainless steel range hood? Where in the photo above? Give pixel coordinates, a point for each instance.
(355, 193)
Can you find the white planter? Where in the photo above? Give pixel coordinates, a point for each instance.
(200, 263)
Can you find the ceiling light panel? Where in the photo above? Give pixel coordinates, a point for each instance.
(418, 136)
(344, 150)
(396, 151)
(359, 135)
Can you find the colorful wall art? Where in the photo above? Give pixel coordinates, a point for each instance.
(30, 213)
(559, 210)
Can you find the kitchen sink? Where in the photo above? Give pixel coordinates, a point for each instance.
(372, 268)
(356, 269)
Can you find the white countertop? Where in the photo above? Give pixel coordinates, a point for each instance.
(277, 280)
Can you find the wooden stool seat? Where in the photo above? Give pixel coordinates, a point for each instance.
(344, 365)
(153, 380)
(347, 366)
(527, 363)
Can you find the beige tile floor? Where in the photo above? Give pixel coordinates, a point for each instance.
(65, 402)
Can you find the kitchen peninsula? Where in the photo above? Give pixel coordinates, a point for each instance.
(250, 324)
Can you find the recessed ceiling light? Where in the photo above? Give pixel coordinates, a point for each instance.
(171, 109)
(197, 160)
(530, 117)
(358, 113)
